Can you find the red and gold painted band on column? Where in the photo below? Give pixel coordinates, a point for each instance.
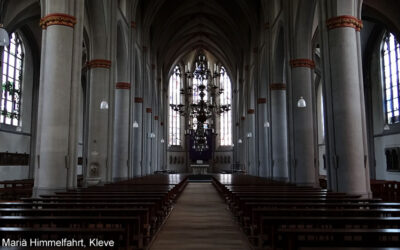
(156, 117)
(344, 22)
(138, 100)
(251, 111)
(302, 63)
(262, 100)
(123, 85)
(99, 63)
(277, 86)
(149, 110)
(133, 25)
(57, 19)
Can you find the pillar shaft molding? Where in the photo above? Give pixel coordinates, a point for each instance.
(344, 22)
(123, 85)
(57, 19)
(277, 86)
(98, 63)
(302, 63)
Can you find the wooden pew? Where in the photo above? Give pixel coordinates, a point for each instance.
(148, 199)
(133, 236)
(273, 213)
(272, 224)
(15, 189)
(46, 233)
(296, 238)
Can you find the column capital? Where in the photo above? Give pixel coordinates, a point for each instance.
(57, 19)
(344, 22)
(123, 85)
(302, 63)
(277, 86)
(98, 63)
(138, 100)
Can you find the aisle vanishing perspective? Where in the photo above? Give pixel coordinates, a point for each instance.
(200, 220)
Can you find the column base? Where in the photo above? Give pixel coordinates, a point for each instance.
(282, 179)
(116, 179)
(93, 181)
(307, 184)
(366, 195)
(38, 191)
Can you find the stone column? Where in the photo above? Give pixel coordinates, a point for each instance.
(133, 166)
(137, 136)
(98, 139)
(121, 131)
(56, 143)
(347, 141)
(304, 165)
(279, 138)
(252, 162)
(262, 135)
(148, 140)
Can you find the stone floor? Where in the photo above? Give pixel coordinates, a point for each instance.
(200, 220)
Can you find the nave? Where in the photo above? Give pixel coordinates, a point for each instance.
(229, 211)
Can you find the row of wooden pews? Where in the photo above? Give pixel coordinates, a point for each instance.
(126, 214)
(386, 190)
(15, 189)
(278, 215)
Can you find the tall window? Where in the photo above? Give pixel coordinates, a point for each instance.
(174, 88)
(391, 68)
(226, 117)
(11, 80)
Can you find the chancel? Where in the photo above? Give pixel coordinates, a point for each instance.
(135, 124)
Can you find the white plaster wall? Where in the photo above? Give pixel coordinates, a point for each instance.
(14, 143)
(382, 139)
(381, 143)
(14, 172)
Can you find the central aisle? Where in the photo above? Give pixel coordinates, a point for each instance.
(200, 220)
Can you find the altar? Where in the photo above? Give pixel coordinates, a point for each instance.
(199, 168)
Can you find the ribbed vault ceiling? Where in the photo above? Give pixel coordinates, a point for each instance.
(222, 27)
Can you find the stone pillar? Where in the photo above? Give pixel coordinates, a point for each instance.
(279, 138)
(98, 135)
(252, 162)
(304, 165)
(121, 131)
(347, 140)
(137, 137)
(148, 140)
(262, 135)
(56, 144)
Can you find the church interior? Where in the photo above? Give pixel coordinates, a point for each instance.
(200, 124)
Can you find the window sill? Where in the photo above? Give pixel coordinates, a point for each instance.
(12, 129)
(393, 170)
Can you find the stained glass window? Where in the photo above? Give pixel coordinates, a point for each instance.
(226, 117)
(11, 82)
(391, 68)
(174, 127)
